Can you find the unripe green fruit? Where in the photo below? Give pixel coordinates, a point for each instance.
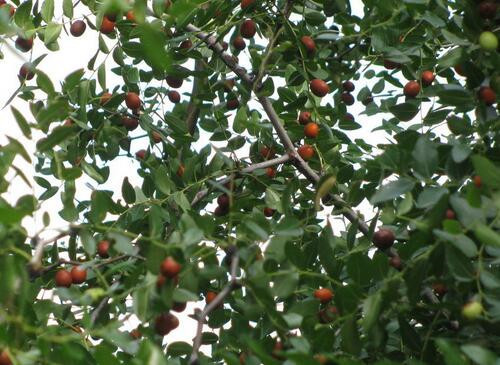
(488, 41)
(472, 310)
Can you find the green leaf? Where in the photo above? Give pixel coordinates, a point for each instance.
(68, 8)
(21, 122)
(479, 355)
(47, 11)
(486, 235)
(392, 190)
(425, 156)
(430, 196)
(153, 43)
(490, 173)
(450, 352)
(128, 191)
(101, 76)
(52, 32)
(44, 83)
(455, 96)
(404, 112)
(58, 135)
(460, 241)
(349, 334)
(459, 265)
(182, 295)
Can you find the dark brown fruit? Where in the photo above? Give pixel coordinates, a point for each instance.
(268, 212)
(4, 358)
(305, 117)
(130, 16)
(328, 314)
(141, 154)
(390, 65)
(165, 323)
(232, 104)
(25, 72)
(130, 123)
(77, 28)
(219, 211)
(107, 25)
(487, 9)
(223, 201)
(132, 100)
(156, 136)
(439, 288)
(179, 307)
(477, 181)
(324, 295)
(383, 238)
(411, 89)
(180, 170)
(105, 97)
(459, 70)
(306, 151)
(270, 172)
(347, 98)
(160, 281)
(246, 3)
(348, 86)
(248, 28)
(103, 248)
(487, 95)
(239, 43)
(63, 279)
(267, 152)
(187, 44)
(78, 275)
(24, 44)
(308, 43)
(395, 262)
(136, 333)
(174, 96)
(174, 82)
(428, 78)
(450, 214)
(319, 87)
(170, 267)
(210, 296)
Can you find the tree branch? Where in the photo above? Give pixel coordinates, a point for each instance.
(249, 169)
(218, 300)
(36, 261)
(193, 109)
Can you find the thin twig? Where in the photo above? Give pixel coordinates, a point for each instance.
(193, 109)
(98, 310)
(36, 261)
(218, 300)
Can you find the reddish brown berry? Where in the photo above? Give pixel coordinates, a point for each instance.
(324, 295)
(130, 123)
(78, 275)
(141, 154)
(4, 358)
(105, 97)
(459, 70)
(63, 279)
(130, 16)
(270, 172)
(174, 82)
(246, 3)
(170, 267)
(487, 9)
(26, 71)
(239, 43)
(411, 89)
(186, 44)
(156, 136)
(268, 212)
(428, 78)
(348, 86)
(390, 65)
(77, 28)
(210, 296)
(174, 96)
(487, 95)
(395, 262)
(477, 181)
(180, 170)
(308, 43)
(439, 289)
(248, 28)
(24, 44)
(223, 201)
(383, 238)
(136, 333)
(311, 130)
(132, 100)
(107, 25)
(347, 98)
(305, 117)
(328, 314)
(306, 151)
(267, 152)
(165, 323)
(232, 104)
(220, 211)
(179, 307)
(160, 281)
(319, 87)
(450, 214)
(103, 248)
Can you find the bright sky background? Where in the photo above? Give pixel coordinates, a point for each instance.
(75, 53)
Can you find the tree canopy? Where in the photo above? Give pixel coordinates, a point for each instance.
(325, 189)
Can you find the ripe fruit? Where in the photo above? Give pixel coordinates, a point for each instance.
(210, 296)
(105, 97)
(160, 280)
(487, 9)
(308, 43)
(103, 248)
(477, 181)
(472, 310)
(246, 3)
(324, 295)
(78, 275)
(306, 151)
(459, 70)
(156, 136)
(223, 201)
(174, 96)
(488, 41)
(347, 98)
(107, 26)
(395, 262)
(319, 87)
(239, 43)
(248, 28)
(179, 307)
(348, 86)
(349, 116)
(219, 211)
(311, 130)
(174, 82)
(180, 170)
(225, 46)
(488, 95)
(170, 268)
(390, 65)
(63, 279)
(165, 323)
(232, 104)
(304, 118)
(130, 123)
(268, 212)
(267, 152)
(77, 28)
(439, 289)
(132, 100)
(135, 334)
(450, 214)
(187, 44)
(411, 89)
(25, 72)
(328, 314)
(24, 44)
(4, 358)
(141, 154)
(427, 78)
(383, 238)
(130, 16)
(271, 172)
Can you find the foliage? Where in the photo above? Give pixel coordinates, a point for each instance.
(434, 180)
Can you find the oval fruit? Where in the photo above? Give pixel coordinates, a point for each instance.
(63, 279)
(306, 151)
(319, 87)
(383, 238)
(324, 295)
(170, 267)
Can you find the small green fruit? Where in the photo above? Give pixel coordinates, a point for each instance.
(472, 310)
(488, 41)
